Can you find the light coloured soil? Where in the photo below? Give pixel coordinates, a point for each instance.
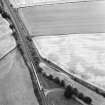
(15, 83)
(81, 54)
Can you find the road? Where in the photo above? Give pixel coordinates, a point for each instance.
(22, 33)
(78, 80)
(63, 19)
(26, 46)
(96, 94)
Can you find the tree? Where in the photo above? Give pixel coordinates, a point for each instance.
(5, 15)
(68, 92)
(87, 100)
(75, 91)
(39, 69)
(50, 77)
(14, 33)
(11, 26)
(81, 96)
(28, 38)
(44, 74)
(62, 83)
(1, 10)
(103, 94)
(56, 80)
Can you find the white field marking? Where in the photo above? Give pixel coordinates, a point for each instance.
(47, 91)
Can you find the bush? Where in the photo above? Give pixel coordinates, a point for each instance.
(87, 100)
(56, 80)
(11, 26)
(14, 33)
(21, 51)
(40, 69)
(103, 94)
(5, 15)
(75, 91)
(1, 10)
(68, 92)
(62, 83)
(28, 38)
(50, 77)
(81, 96)
(44, 74)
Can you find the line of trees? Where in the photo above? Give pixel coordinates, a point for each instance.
(5, 15)
(69, 90)
(56, 79)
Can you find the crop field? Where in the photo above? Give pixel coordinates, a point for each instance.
(7, 42)
(61, 19)
(79, 54)
(15, 83)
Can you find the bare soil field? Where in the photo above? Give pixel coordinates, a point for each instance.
(60, 19)
(81, 54)
(15, 83)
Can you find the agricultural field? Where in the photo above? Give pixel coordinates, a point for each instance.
(63, 19)
(82, 55)
(7, 42)
(70, 35)
(15, 82)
